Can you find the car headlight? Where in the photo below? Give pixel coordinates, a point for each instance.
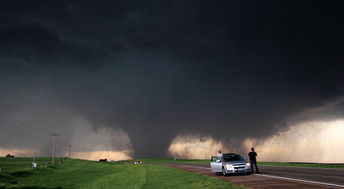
(229, 166)
(248, 164)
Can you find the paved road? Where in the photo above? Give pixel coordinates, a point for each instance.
(335, 176)
(278, 177)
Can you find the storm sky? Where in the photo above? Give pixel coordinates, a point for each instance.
(137, 74)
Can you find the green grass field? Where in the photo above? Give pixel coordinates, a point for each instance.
(17, 173)
(205, 161)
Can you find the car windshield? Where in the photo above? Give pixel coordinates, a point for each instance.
(232, 157)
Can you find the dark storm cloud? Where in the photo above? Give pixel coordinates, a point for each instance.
(159, 69)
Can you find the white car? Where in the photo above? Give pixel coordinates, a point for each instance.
(229, 163)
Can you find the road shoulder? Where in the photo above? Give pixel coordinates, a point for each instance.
(253, 180)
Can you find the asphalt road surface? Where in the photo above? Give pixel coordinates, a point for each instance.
(277, 176)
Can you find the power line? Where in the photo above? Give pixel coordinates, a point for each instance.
(4, 146)
(22, 125)
(32, 133)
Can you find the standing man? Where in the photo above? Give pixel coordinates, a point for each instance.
(219, 154)
(253, 160)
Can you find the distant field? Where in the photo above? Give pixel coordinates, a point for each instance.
(205, 161)
(17, 173)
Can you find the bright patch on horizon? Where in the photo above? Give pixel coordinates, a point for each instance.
(194, 147)
(320, 142)
(18, 152)
(109, 155)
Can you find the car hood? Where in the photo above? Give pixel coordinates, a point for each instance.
(234, 162)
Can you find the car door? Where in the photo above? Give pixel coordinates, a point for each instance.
(215, 164)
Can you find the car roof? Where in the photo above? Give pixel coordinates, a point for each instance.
(227, 154)
(230, 154)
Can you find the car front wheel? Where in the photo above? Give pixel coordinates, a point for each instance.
(224, 171)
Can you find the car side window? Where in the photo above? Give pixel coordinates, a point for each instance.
(214, 158)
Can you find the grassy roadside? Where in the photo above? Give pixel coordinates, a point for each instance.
(196, 161)
(205, 161)
(17, 173)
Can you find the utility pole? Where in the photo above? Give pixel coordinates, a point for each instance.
(60, 158)
(64, 153)
(34, 156)
(70, 150)
(54, 145)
